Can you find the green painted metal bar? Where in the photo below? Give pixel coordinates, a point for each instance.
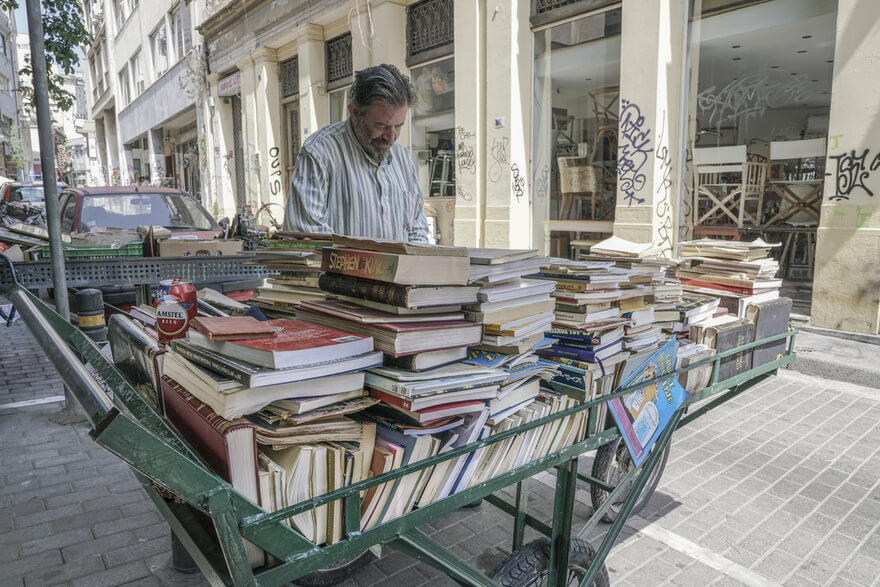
(421, 547)
(528, 519)
(595, 482)
(641, 479)
(520, 513)
(563, 510)
(221, 510)
(352, 509)
(613, 494)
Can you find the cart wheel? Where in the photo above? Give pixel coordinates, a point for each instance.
(338, 572)
(612, 462)
(530, 565)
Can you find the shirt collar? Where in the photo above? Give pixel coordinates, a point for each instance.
(349, 131)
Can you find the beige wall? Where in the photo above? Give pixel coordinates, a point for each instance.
(846, 286)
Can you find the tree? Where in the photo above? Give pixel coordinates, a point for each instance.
(63, 31)
(16, 153)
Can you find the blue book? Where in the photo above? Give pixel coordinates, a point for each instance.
(642, 414)
(588, 355)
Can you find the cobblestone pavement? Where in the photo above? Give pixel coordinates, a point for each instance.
(779, 486)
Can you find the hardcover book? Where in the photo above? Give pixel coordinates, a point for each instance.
(396, 294)
(726, 337)
(218, 328)
(357, 313)
(770, 318)
(397, 268)
(137, 355)
(296, 344)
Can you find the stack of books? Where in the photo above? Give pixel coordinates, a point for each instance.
(738, 273)
(295, 262)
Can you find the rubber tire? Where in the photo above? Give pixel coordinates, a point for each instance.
(531, 563)
(614, 457)
(338, 572)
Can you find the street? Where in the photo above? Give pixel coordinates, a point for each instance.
(779, 486)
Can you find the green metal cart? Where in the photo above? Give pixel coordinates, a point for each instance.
(212, 520)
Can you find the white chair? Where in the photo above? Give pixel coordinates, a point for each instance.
(727, 187)
(800, 196)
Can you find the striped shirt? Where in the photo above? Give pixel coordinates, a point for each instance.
(337, 188)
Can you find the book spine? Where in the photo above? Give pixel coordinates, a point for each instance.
(570, 352)
(347, 285)
(205, 359)
(392, 399)
(572, 334)
(366, 264)
(718, 286)
(405, 363)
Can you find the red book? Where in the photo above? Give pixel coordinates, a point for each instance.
(296, 344)
(232, 327)
(721, 287)
(229, 448)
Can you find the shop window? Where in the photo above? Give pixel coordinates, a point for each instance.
(576, 106)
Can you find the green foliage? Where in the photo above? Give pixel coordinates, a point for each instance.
(15, 148)
(65, 157)
(63, 30)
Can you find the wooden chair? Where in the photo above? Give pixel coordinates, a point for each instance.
(577, 181)
(727, 187)
(797, 194)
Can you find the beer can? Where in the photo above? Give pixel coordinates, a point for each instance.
(176, 303)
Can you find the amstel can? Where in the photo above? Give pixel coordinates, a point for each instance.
(176, 305)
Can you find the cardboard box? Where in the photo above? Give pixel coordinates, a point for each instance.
(174, 247)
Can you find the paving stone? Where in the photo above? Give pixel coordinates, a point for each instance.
(856, 526)
(861, 570)
(777, 565)
(819, 568)
(113, 577)
(28, 564)
(98, 546)
(68, 571)
(55, 541)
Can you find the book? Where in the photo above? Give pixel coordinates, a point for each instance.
(515, 312)
(697, 378)
(642, 414)
(426, 359)
(387, 457)
(412, 404)
(229, 448)
(231, 327)
(415, 448)
(504, 271)
(253, 376)
(357, 313)
(591, 356)
(137, 355)
(400, 310)
(307, 404)
(397, 293)
(586, 337)
(725, 337)
(496, 256)
(403, 339)
(514, 290)
(233, 400)
(400, 248)
(305, 468)
(296, 344)
(770, 318)
(404, 269)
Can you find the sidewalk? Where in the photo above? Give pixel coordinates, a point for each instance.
(780, 486)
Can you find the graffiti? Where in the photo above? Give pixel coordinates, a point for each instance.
(518, 182)
(275, 173)
(464, 134)
(852, 171)
(633, 151)
(754, 94)
(463, 194)
(114, 177)
(862, 218)
(664, 187)
(498, 153)
(467, 159)
(543, 184)
(835, 143)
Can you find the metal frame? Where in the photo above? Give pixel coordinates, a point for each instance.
(131, 430)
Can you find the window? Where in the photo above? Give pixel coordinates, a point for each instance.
(137, 73)
(338, 104)
(181, 31)
(119, 7)
(429, 30)
(3, 45)
(159, 45)
(435, 87)
(125, 86)
(339, 66)
(289, 78)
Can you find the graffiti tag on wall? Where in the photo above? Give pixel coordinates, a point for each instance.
(633, 152)
(664, 187)
(852, 173)
(275, 171)
(754, 94)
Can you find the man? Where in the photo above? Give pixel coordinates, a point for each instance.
(353, 177)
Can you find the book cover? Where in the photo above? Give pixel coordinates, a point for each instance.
(232, 327)
(497, 256)
(591, 356)
(356, 313)
(726, 337)
(137, 355)
(396, 294)
(296, 344)
(642, 414)
(406, 269)
(426, 360)
(770, 318)
(396, 247)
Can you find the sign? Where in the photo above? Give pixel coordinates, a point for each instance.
(229, 85)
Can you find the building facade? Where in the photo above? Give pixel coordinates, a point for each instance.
(551, 124)
(9, 95)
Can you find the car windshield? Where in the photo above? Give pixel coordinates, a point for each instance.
(26, 193)
(128, 211)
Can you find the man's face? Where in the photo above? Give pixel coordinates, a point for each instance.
(378, 128)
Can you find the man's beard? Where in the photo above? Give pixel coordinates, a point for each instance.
(376, 152)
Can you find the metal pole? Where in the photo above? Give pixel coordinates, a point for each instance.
(47, 154)
(47, 164)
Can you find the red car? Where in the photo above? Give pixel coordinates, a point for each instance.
(100, 209)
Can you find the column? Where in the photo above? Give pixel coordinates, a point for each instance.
(314, 106)
(470, 116)
(388, 42)
(506, 129)
(649, 138)
(156, 155)
(219, 144)
(268, 128)
(128, 166)
(112, 146)
(249, 124)
(846, 276)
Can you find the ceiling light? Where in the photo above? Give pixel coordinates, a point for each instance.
(737, 58)
(807, 37)
(735, 46)
(774, 67)
(802, 51)
(792, 73)
(815, 81)
(830, 61)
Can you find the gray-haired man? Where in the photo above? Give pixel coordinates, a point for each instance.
(353, 177)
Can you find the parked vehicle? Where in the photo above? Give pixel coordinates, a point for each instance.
(101, 209)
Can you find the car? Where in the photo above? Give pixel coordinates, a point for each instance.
(100, 209)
